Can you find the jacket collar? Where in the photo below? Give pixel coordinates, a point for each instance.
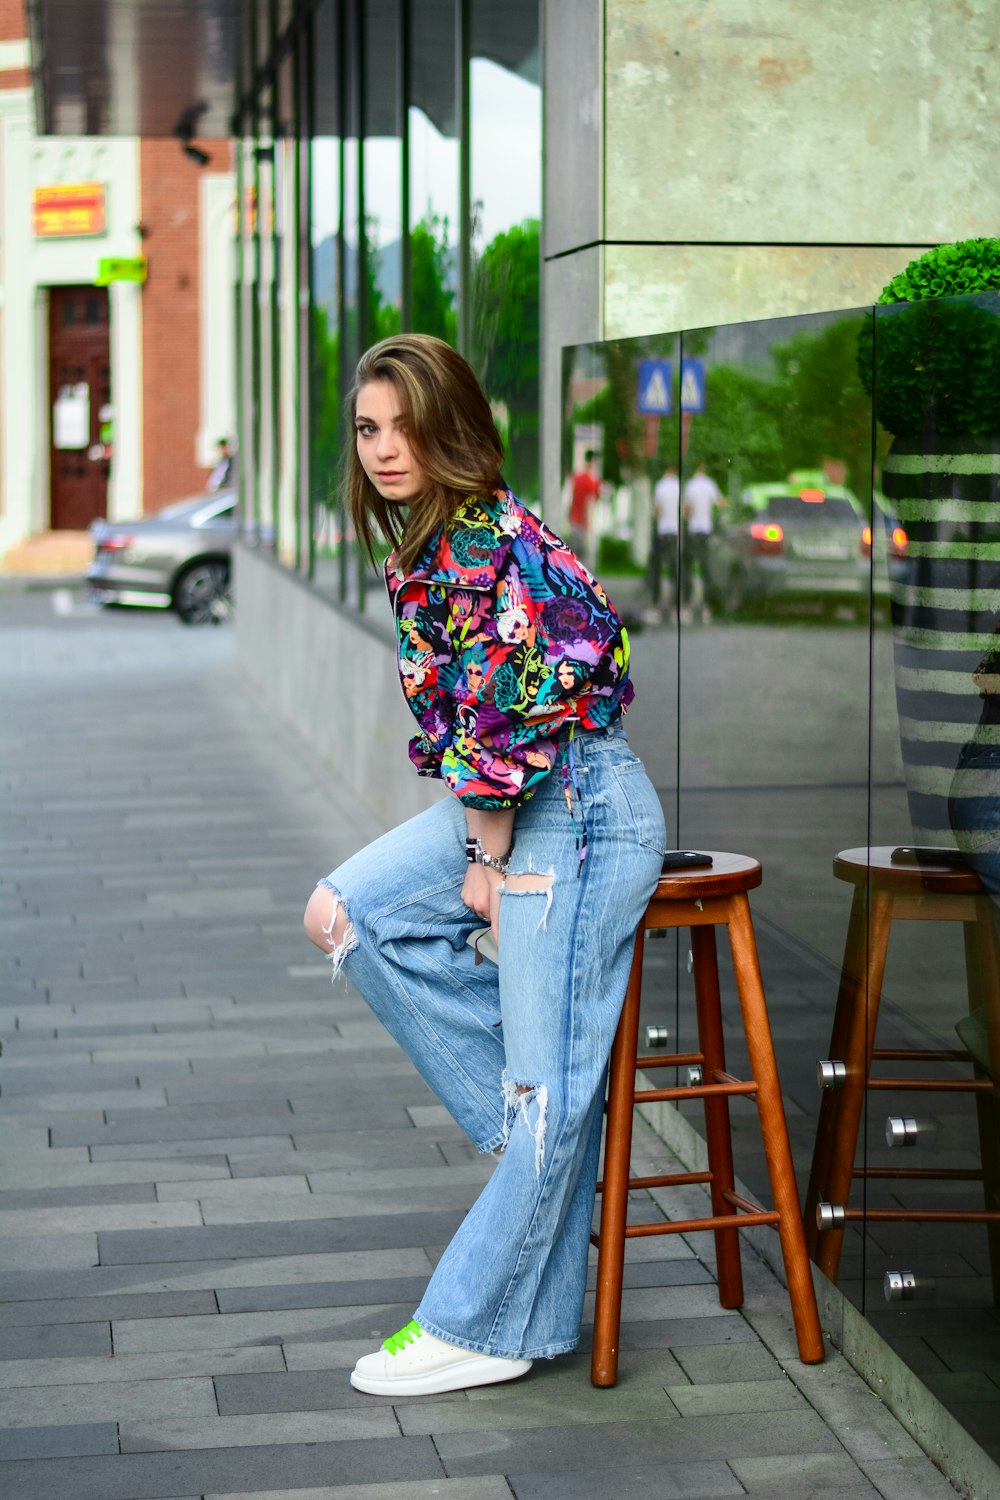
(469, 551)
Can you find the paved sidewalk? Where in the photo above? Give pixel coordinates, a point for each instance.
(222, 1182)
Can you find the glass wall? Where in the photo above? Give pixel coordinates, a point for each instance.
(804, 539)
(391, 170)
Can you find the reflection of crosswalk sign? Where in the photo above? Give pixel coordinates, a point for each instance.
(653, 392)
(692, 385)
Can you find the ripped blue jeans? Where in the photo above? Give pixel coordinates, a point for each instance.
(518, 1054)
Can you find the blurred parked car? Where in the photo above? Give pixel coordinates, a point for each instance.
(178, 557)
(798, 543)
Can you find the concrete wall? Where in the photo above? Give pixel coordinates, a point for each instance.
(335, 680)
(711, 163)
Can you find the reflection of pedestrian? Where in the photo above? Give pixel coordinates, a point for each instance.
(702, 497)
(224, 473)
(532, 748)
(586, 488)
(666, 523)
(974, 800)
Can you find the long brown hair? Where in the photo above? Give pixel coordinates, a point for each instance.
(450, 427)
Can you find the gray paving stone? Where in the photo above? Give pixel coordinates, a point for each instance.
(97, 1309)
(251, 1470)
(736, 1396)
(78, 1176)
(266, 1209)
(366, 1422)
(115, 1402)
(326, 1294)
(631, 1443)
(909, 1479)
(58, 1441)
(709, 1364)
(386, 1232)
(483, 1487)
(72, 1197)
(305, 1390)
(112, 1216)
(535, 1404)
(629, 1481)
(22, 1373)
(205, 1147)
(352, 1153)
(57, 1340)
(245, 1190)
(786, 1476)
(224, 1330)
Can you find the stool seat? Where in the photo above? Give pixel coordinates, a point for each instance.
(701, 898)
(885, 892)
(876, 865)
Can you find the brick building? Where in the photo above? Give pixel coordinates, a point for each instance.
(116, 313)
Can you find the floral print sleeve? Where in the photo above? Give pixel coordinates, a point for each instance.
(504, 638)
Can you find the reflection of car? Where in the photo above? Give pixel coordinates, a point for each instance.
(178, 556)
(794, 543)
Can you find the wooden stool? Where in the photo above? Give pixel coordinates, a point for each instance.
(885, 893)
(702, 899)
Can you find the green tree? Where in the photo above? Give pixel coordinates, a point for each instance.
(325, 395)
(432, 297)
(505, 306)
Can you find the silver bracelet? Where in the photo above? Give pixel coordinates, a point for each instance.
(500, 862)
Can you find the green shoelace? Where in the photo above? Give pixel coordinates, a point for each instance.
(397, 1341)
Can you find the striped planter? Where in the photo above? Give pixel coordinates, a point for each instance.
(945, 616)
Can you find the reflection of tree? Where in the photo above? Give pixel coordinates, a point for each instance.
(755, 427)
(325, 392)
(432, 296)
(505, 307)
(383, 318)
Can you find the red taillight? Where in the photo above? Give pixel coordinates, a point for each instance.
(767, 537)
(866, 541)
(812, 497)
(899, 543)
(115, 543)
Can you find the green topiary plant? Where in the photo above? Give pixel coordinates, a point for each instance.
(932, 363)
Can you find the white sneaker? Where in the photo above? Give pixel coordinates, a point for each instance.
(415, 1363)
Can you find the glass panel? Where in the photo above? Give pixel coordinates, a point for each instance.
(249, 337)
(434, 171)
(326, 195)
(505, 134)
(285, 310)
(383, 169)
(936, 784)
(268, 433)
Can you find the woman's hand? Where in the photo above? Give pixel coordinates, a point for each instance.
(481, 893)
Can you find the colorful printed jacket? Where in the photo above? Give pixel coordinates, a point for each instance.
(504, 638)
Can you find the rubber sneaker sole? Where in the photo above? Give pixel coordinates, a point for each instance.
(475, 1369)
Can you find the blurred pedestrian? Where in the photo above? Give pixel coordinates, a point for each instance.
(702, 498)
(586, 488)
(664, 540)
(223, 475)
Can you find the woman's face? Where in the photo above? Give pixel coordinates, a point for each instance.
(565, 674)
(384, 448)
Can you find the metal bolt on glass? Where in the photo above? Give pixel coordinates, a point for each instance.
(830, 1216)
(899, 1286)
(900, 1130)
(657, 1036)
(694, 1075)
(831, 1074)
(690, 962)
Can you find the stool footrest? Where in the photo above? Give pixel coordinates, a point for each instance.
(934, 1085)
(694, 1091)
(925, 1174)
(670, 1060)
(692, 1226)
(923, 1215)
(921, 1054)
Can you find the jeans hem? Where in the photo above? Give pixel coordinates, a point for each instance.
(548, 1351)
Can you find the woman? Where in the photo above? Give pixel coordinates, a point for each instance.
(515, 667)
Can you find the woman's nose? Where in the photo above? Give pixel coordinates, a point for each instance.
(386, 445)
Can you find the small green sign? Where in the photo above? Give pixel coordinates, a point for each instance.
(109, 270)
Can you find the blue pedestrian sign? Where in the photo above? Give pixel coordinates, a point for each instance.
(652, 397)
(692, 385)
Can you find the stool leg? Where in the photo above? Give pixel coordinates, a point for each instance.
(774, 1131)
(858, 1060)
(614, 1195)
(851, 986)
(717, 1128)
(982, 958)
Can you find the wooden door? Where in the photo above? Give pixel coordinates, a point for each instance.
(79, 389)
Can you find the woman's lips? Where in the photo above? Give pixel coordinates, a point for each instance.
(388, 475)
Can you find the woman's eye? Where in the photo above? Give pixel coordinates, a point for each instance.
(365, 429)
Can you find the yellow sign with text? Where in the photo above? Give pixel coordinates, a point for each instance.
(109, 270)
(69, 208)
